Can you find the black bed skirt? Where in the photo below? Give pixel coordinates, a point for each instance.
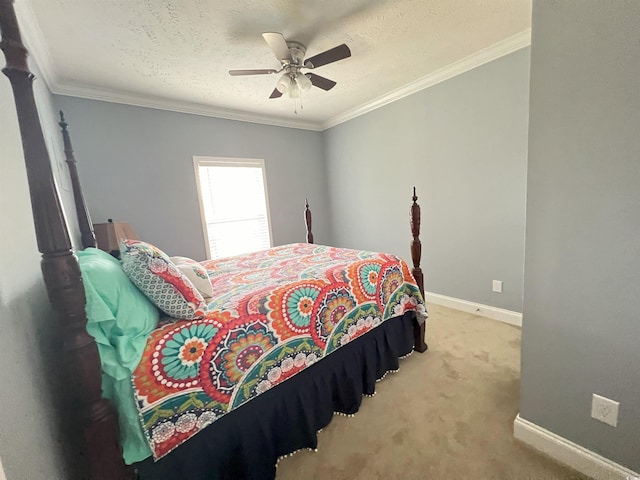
(246, 443)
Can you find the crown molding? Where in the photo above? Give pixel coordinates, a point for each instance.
(486, 55)
(37, 45)
(137, 100)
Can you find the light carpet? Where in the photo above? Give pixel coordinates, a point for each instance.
(447, 414)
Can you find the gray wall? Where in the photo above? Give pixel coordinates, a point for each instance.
(463, 144)
(30, 442)
(582, 264)
(136, 165)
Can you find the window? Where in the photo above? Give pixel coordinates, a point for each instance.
(233, 205)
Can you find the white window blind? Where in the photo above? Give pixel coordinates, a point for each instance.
(234, 206)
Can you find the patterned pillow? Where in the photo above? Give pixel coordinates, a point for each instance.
(155, 274)
(195, 272)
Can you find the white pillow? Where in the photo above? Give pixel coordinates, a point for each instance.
(195, 272)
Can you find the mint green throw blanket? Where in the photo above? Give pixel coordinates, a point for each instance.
(120, 318)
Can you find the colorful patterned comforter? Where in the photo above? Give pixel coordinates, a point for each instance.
(275, 313)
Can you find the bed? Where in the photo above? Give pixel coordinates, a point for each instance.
(238, 423)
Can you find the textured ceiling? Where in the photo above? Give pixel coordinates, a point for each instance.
(180, 50)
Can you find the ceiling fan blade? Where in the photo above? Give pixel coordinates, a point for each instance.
(267, 71)
(278, 45)
(329, 56)
(320, 82)
(275, 94)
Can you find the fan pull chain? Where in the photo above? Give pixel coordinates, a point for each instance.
(295, 104)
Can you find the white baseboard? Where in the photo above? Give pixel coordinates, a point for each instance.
(500, 314)
(571, 454)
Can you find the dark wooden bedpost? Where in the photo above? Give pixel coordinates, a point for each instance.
(307, 221)
(416, 255)
(94, 416)
(84, 220)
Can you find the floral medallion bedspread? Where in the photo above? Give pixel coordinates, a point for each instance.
(275, 313)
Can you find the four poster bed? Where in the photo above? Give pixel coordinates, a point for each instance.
(289, 337)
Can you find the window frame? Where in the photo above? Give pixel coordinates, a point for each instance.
(228, 162)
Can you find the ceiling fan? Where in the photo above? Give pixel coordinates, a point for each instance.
(291, 56)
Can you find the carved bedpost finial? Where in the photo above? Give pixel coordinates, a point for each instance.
(87, 237)
(416, 245)
(307, 220)
(415, 222)
(416, 255)
(49, 221)
(68, 149)
(14, 50)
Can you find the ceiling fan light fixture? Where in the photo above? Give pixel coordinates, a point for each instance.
(291, 55)
(303, 82)
(294, 89)
(283, 83)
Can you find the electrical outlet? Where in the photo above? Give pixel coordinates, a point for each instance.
(605, 410)
(497, 286)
